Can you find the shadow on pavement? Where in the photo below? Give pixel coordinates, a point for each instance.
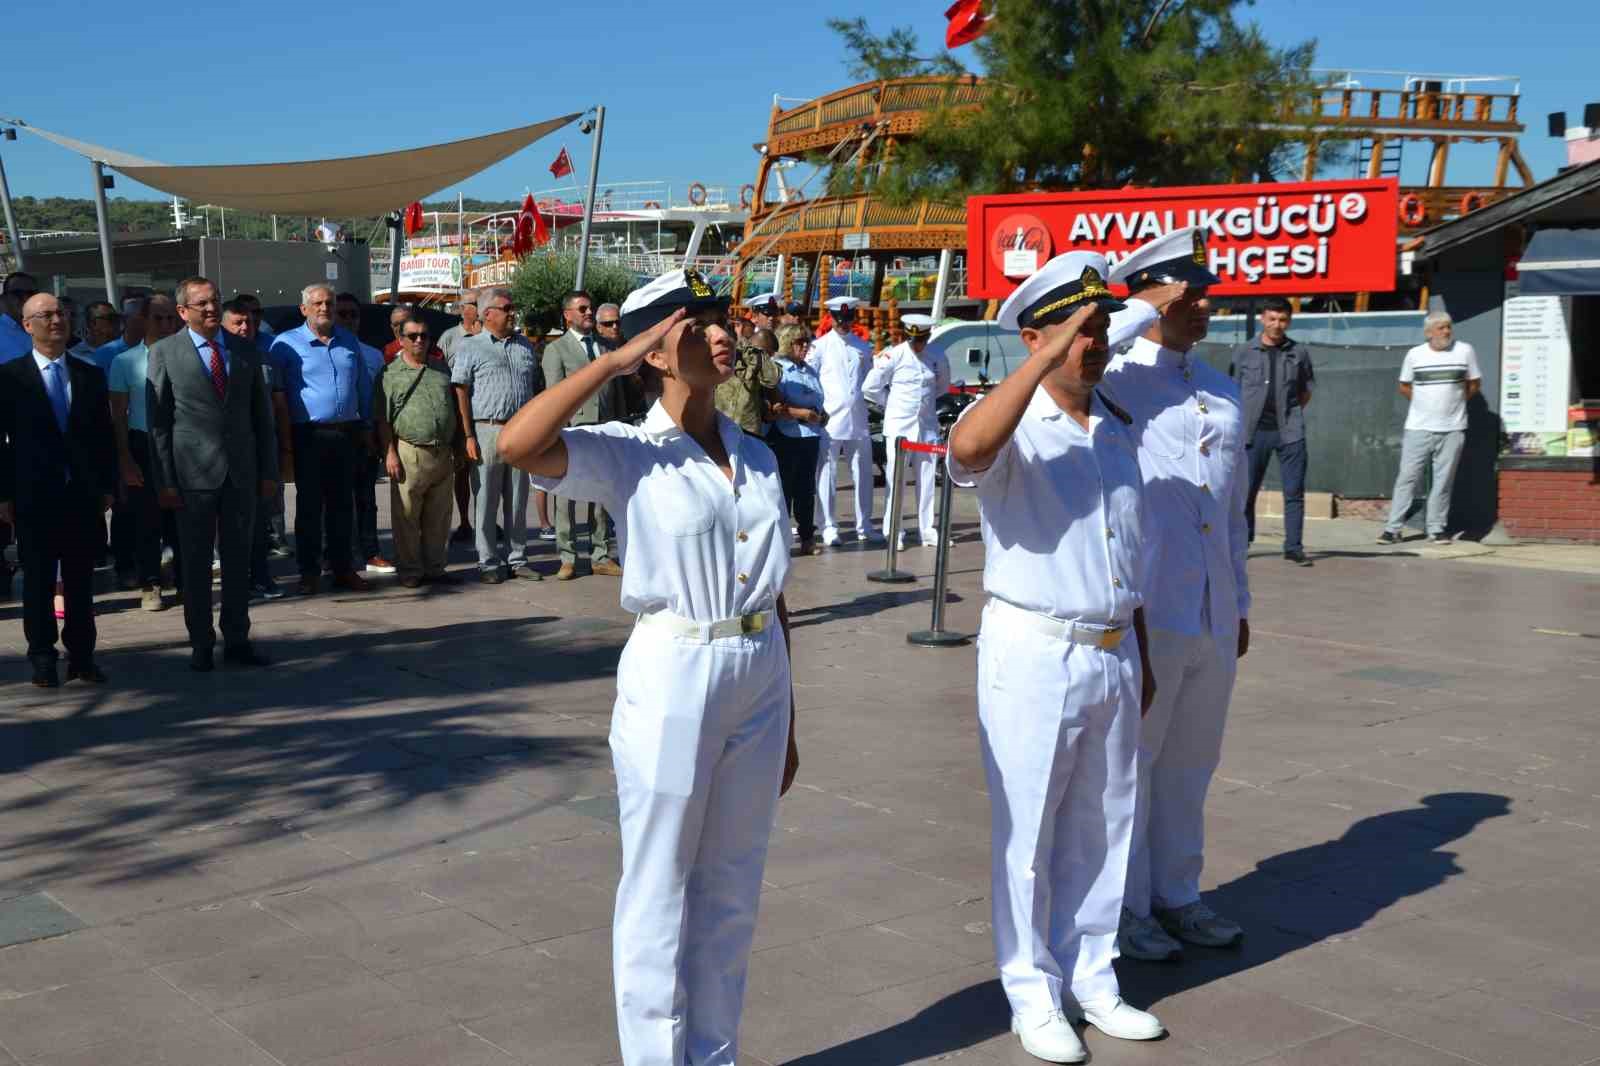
(1288, 902)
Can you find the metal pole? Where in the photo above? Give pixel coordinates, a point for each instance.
(394, 259)
(102, 219)
(11, 218)
(935, 636)
(889, 575)
(946, 257)
(777, 280)
(274, 227)
(588, 206)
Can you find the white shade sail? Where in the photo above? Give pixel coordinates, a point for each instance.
(353, 186)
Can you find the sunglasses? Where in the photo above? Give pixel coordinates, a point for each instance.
(613, 324)
(416, 336)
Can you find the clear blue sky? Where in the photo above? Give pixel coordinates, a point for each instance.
(687, 91)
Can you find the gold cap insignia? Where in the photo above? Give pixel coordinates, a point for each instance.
(1093, 284)
(1199, 246)
(697, 284)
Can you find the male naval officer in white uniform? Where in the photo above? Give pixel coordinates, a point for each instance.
(1187, 419)
(1060, 688)
(842, 360)
(907, 381)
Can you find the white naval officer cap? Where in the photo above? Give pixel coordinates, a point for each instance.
(917, 325)
(1057, 289)
(659, 297)
(1177, 256)
(844, 304)
(766, 303)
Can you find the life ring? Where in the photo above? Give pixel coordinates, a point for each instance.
(747, 196)
(651, 205)
(1470, 202)
(1413, 212)
(697, 194)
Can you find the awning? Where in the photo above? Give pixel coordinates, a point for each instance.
(1561, 262)
(354, 186)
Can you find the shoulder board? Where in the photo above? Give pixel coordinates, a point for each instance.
(1124, 417)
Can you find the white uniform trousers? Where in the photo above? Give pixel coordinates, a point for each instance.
(859, 452)
(924, 465)
(1180, 746)
(1059, 725)
(698, 739)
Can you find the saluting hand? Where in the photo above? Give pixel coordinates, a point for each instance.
(1054, 350)
(627, 359)
(1164, 295)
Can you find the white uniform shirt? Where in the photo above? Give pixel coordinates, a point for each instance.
(842, 363)
(1061, 515)
(691, 541)
(908, 386)
(1189, 425)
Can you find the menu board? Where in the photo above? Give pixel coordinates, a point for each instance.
(1535, 365)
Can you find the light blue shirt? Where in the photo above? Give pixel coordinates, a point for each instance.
(202, 348)
(799, 386)
(108, 351)
(324, 380)
(56, 376)
(14, 340)
(129, 374)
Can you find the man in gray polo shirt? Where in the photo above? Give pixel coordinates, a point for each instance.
(495, 373)
(1275, 378)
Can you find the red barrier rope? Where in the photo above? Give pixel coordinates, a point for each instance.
(926, 449)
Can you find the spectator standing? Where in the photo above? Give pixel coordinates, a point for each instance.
(563, 357)
(749, 394)
(18, 288)
(795, 435)
(419, 432)
(216, 456)
(907, 381)
(369, 552)
(1438, 377)
(396, 321)
(843, 360)
(101, 326)
(470, 326)
(763, 311)
(330, 394)
(237, 320)
(1275, 378)
(496, 372)
(57, 475)
(262, 335)
(138, 523)
(133, 330)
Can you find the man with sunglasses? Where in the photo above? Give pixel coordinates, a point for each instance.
(101, 326)
(567, 355)
(495, 373)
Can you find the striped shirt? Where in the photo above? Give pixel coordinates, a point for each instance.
(501, 375)
(1438, 383)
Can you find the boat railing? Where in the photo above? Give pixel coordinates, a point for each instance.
(1443, 102)
(641, 196)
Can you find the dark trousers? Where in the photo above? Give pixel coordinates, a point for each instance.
(366, 500)
(260, 571)
(1292, 466)
(797, 470)
(224, 517)
(68, 532)
(325, 470)
(139, 525)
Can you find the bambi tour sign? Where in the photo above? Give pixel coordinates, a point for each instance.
(1269, 238)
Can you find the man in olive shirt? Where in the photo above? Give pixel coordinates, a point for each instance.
(746, 395)
(419, 429)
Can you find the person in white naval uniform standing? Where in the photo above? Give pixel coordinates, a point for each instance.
(907, 381)
(702, 733)
(1189, 424)
(1060, 688)
(842, 360)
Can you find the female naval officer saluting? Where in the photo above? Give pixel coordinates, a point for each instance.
(702, 733)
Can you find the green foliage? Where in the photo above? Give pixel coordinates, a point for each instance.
(1101, 94)
(546, 276)
(894, 55)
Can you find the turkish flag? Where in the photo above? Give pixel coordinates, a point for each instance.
(527, 224)
(541, 232)
(414, 222)
(562, 166)
(967, 23)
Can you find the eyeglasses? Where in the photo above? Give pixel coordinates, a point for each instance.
(416, 336)
(613, 324)
(201, 305)
(46, 316)
(507, 308)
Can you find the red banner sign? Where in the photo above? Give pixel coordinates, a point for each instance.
(1272, 238)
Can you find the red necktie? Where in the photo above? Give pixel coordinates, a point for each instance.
(219, 376)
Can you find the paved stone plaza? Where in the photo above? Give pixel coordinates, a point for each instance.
(397, 846)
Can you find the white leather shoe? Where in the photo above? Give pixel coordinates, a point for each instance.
(1116, 1018)
(930, 538)
(1053, 1039)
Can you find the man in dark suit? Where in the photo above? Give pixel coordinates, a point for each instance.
(216, 454)
(563, 357)
(58, 472)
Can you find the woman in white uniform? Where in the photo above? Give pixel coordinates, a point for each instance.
(907, 381)
(702, 733)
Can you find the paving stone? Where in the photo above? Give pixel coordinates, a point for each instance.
(1362, 1044)
(261, 972)
(1484, 1027)
(63, 960)
(126, 1007)
(196, 932)
(858, 961)
(206, 1043)
(497, 983)
(389, 945)
(453, 1046)
(33, 917)
(334, 1020)
(570, 1024)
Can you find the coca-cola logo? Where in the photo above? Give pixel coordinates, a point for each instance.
(1020, 245)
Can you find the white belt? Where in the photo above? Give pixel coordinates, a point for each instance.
(705, 632)
(1105, 637)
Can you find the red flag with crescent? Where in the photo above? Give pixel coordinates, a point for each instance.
(527, 222)
(414, 221)
(562, 166)
(967, 23)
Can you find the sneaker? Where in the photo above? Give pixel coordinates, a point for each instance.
(1116, 1018)
(547, 532)
(150, 599)
(277, 549)
(1298, 558)
(1388, 538)
(930, 539)
(1195, 923)
(1145, 940)
(830, 537)
(379, 565)
(1441, 538)
(266, 590)
(1053, 1039)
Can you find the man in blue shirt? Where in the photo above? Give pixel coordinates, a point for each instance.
(329, 391)
(134, 309)
(17, 289)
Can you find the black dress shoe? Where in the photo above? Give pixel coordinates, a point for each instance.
(87, 672)
(44, 673)
(201, 661)
(244, 655)
(491, 577)
(1297, 558)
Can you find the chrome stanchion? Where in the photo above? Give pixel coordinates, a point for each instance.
(935, 636)
(889, 575)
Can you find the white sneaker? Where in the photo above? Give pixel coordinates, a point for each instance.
(1115, 1018)
(930, 538)
(830, 537)
(1053, 1039)
(1195, 923)
(899, 542)
(1145, 940)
